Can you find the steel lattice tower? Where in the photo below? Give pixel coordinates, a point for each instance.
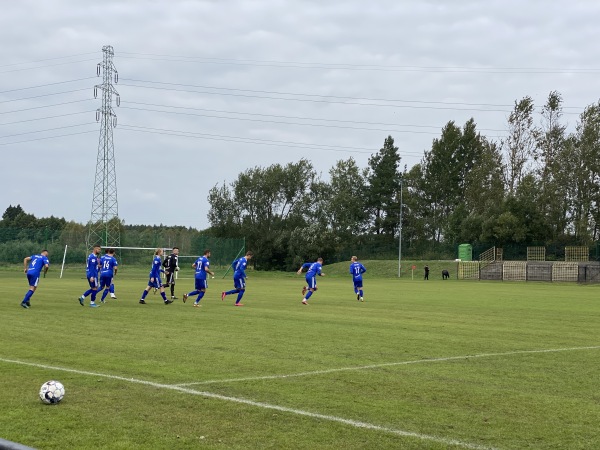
(104, 225)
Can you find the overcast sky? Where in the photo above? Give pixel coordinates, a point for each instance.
(263, 82)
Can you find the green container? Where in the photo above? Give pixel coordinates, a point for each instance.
(465, 252)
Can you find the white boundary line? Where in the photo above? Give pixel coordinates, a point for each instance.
(377, 366)
(350, 422)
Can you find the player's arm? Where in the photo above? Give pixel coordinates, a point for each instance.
(45, 269)
(302, 267)
(26, 263)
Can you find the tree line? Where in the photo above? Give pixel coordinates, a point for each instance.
(538, 186)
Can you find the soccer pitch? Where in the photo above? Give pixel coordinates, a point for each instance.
(418, 365)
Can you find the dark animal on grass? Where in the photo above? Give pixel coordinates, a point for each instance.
(445, 275)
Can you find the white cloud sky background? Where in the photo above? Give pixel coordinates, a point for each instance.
(416, 64)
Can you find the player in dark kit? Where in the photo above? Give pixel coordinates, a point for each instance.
(171, 265)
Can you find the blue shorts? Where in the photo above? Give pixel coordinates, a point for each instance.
(33, 280)
(312, 282)
(201, 284)
(239, 283)
(156, 284)
(358, 283)
(105, 281)
(93, 284)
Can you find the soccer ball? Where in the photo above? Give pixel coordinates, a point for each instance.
(52, 392)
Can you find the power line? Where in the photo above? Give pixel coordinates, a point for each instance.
(316, 100)
(244, 140)
(47, 59)
(336, 97)
(46, 130)
(46, 106)
(44, 85)
(284, 117)
(44, 95)
(387, 130)
(366, 67)
(45, 118)
(320, 96)
(48, 137)
(47, 65)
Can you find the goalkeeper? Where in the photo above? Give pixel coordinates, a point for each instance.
(171, 265)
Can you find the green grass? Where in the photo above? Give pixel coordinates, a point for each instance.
(488, 396)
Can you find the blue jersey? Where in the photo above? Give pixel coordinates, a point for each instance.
(92, 266)
(156, 265)
(239, 267)
(107, 265)
(202, 264)
(314, 269)
(356, 270)
(36, 264)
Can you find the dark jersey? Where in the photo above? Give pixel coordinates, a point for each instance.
(171, 263)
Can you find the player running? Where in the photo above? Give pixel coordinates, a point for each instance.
(154, 280)
(313, 269)
(32, 266)
(356, 270)
(108, 269)
(239, 278)
(201, 265)
(91, 273)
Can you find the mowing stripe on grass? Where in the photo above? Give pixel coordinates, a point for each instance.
(353, 423)
(377, 366)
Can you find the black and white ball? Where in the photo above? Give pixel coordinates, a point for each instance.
(52, 392)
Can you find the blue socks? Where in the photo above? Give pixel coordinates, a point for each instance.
(27, 296)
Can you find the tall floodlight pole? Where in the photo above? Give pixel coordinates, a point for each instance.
(104, 225)
(400, 231)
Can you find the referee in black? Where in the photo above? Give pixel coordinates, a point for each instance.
(171, 265)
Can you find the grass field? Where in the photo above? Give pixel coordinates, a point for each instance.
(418, 365)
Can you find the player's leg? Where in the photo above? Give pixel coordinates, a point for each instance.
(145, 292)
(201, 285)
(235, 289)
(33, 281)
(359, 287)
(240, 284)
(312, 286)
(166, 301)
(91, 283)
(172, 284)
(111, 290)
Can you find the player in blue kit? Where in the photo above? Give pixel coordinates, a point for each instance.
(356, 270)
(201, 265)
(154, 280)
(108, 269)
(313, 269)
(91, 273)
(32, 266)
(239, 278)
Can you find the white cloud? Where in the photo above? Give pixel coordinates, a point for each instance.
(394, 35)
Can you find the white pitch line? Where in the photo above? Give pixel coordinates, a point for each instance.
(300, 412)
(377, 366)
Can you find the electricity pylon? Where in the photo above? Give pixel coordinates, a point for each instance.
(104, 226)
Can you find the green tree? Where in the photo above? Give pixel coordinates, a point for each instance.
(520, 143)
(345, 200)
(383, 187)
